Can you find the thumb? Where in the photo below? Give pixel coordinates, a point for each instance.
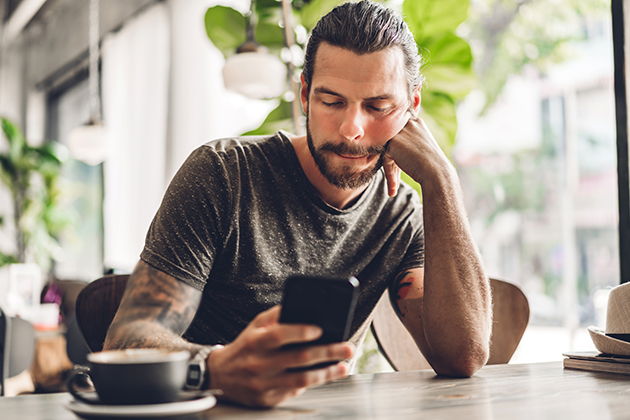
(267, 318)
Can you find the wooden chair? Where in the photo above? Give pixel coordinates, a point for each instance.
(511, 315)
(96, 306)
(17, 347)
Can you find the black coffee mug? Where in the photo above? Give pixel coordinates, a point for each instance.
(133, 376)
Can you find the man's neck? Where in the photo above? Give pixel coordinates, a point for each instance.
(332, 195)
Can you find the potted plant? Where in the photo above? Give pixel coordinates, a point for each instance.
(32, 177)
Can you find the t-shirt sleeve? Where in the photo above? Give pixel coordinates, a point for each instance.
(414, 256)
(190, 224)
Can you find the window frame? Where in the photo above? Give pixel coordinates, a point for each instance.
(618, 9)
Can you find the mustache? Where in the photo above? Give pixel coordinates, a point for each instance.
(356, 150)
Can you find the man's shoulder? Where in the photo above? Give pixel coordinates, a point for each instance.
(229, 144)
(236, 158)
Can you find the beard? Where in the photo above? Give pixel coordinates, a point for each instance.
(344, 177)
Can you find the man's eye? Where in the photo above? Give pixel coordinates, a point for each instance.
(377, 109)
(331, 103)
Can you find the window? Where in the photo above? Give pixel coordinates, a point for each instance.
(68, 107)
(538, 169)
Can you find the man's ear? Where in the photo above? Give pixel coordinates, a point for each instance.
(417, 100)
(304, 94)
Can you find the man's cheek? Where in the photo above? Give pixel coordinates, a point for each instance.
(399, 125)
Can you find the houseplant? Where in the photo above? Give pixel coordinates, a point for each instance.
(32, 176)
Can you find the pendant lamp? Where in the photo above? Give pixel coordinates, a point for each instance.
(252, 71)
(88, 143)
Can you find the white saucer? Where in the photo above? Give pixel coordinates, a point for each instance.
(177, 408)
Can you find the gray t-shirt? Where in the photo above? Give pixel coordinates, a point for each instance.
(240, 216)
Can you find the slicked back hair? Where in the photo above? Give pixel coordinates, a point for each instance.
(364, 27)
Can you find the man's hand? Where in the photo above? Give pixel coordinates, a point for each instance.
(417, 153)
(253, 369)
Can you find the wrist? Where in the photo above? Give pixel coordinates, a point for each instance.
(210, 379)
(441, 181)
(198, 373)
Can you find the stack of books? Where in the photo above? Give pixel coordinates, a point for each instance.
(597, 362)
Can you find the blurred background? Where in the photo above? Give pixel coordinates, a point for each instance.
(518, 93)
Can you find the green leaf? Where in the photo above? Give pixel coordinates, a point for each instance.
(262, 6)
(15, 138)
(312, 12)
(429, 17)
(438, 111)
(448, 48)
(278, 119)
(7, 259)
(268, 31)
(225, 28)
(413, 184)
(270, 34)
(449, 79)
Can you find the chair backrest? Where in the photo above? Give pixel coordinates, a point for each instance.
(17, 347)
(96, 306)
(510, 318)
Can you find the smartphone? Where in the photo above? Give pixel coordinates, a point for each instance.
(324, 301)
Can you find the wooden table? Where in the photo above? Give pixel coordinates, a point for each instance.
(529, 391)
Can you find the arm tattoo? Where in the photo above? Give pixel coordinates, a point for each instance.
(155, 310)
(399, 290)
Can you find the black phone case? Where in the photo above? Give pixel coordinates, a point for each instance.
(324, 301)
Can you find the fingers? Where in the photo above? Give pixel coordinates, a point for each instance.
(265, 334)
(392, 175)
(309, 378)
(272, 391)
(269, 334)
(279, 335)
(313, 355)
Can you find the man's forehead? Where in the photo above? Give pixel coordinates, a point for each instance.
(379, 73)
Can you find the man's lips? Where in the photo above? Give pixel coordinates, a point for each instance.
(353, 156)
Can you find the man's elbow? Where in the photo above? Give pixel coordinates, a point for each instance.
(463, 364)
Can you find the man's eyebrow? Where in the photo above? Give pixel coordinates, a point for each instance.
(323, 90)
(326, 91)
(383, 97)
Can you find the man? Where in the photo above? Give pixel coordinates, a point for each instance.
(243, 214)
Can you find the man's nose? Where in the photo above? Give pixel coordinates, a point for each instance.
(352, 126)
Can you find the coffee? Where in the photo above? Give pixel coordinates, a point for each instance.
(133, 376)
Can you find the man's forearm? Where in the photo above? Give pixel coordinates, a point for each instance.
(457, 302)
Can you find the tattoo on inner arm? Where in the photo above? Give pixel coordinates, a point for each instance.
(156, 309)
(399, 290)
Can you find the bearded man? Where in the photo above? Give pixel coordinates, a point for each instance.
(242, 214)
